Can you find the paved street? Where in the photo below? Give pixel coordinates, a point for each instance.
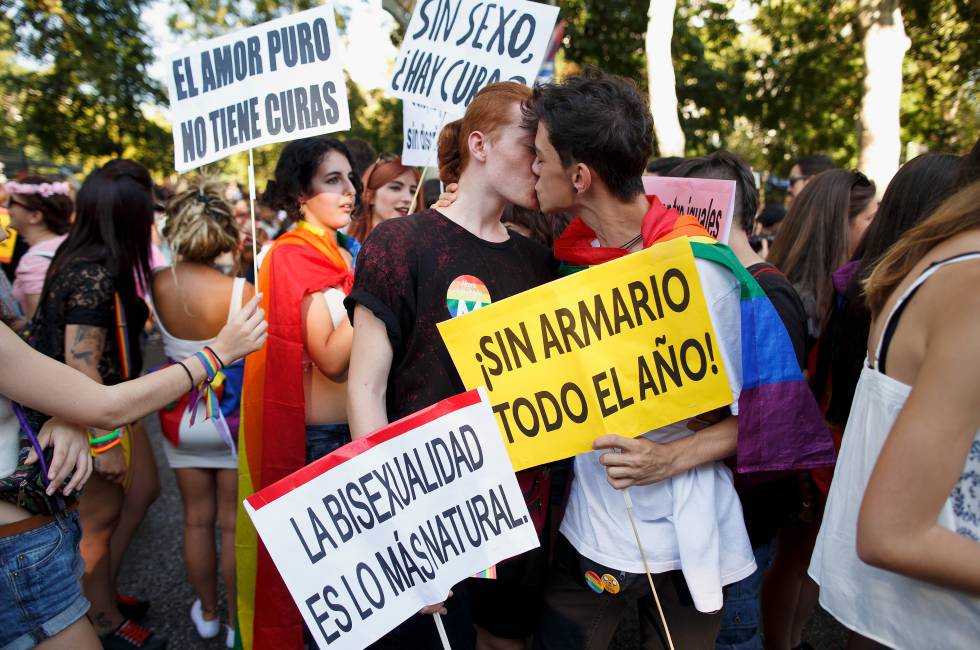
(154, 569)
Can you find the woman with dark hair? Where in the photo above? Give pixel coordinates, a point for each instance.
(913, 194)
(294, 406)
(820, 233)
(898, 554)
(389, 187)
(90, 317)
(40, 210)
(804, 168)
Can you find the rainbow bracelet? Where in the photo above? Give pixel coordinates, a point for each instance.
(210, 364)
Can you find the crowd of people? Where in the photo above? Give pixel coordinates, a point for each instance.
(830, 478)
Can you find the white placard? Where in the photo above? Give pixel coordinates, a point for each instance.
(420, 129)
(281, 80)
(453, 48)
(366, 536)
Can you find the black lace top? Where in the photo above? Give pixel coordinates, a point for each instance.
(82, 293)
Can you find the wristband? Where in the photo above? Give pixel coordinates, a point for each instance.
(105, 448)
(190, 377)
(221, 364)
(109, 437)
(210, 365)
(107, 442)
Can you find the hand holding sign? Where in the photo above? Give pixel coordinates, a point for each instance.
(626, 347)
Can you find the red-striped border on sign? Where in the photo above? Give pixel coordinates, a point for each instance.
(320, 466)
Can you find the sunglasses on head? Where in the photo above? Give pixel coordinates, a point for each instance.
(11, 202)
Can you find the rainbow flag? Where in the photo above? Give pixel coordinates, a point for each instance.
(780, 426)
(489, 574)
(272, 433)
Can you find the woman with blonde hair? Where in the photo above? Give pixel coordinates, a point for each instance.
(192, 301)
(389, 187)
(898, 555)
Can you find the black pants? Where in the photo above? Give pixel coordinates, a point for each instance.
(578, 617)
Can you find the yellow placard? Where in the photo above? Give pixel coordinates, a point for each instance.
(624, 347)
(7, 246)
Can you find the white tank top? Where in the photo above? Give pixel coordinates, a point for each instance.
(178, 348)
(892, 609)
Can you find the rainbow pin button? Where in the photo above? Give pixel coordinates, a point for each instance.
(594, 582)
(466, 293)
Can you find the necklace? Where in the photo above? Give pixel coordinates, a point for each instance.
(631, 243)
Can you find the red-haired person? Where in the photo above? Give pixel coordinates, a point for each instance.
(389, 187)
(408, 273)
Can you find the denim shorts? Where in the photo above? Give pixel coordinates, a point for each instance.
(321, 439)
(741, 623)
(40, 586)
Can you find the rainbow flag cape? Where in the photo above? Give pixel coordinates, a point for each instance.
(272, 433)
(780, 426)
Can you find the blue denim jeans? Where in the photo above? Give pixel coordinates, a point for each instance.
(741, 616)
(40, 592)
(321, 439)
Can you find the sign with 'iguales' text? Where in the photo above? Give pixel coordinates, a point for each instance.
(453, 48)
(281, 80)
(369, 534)
(709, 200)
(624, 347)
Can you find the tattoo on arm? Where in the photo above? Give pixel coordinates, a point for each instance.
(86, 346)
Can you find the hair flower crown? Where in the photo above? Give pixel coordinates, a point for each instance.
(44, 189)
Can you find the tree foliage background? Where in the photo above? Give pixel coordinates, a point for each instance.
(770, 79)
(789, 80)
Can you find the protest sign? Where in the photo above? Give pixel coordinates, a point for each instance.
(278, 81)
(420, 127)
(366, 536)
(710, 201)
(453, 48)
(7, 245)
(623, 347)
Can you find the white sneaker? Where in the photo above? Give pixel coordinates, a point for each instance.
(205, 629)
(230, 637)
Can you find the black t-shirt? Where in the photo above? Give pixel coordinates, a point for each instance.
(416, 271)
(768, 505)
